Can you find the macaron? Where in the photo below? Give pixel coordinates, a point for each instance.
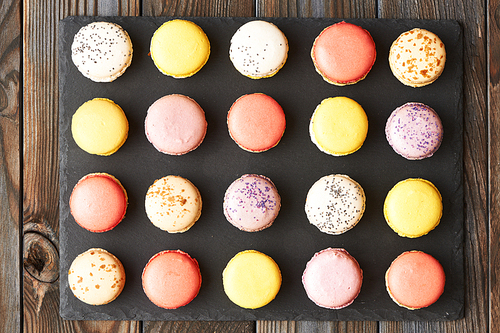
(175, 124)
(251, 279)
(258, 49)
(96, 277)
(99, 127)
(171, 279)
(417, 57)
(343, 53)
(102, 51)
(173, 204)
(332, 278)
(179, 48)
(256, 122)
(251, 203)
(338, 126)
(415, 280)
(413, 207)
(335, 204)
(414, 131)
(98, 202)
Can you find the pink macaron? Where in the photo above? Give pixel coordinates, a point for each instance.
(256, 122)
(175, 124)
(252, 203)
(98, 202)
(171, 279)
(332, 278)
(414, 131)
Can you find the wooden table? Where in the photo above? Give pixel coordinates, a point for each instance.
(29, 171)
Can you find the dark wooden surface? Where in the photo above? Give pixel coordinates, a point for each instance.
(29, 225)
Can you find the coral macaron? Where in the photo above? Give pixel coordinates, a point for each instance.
(256, 122)
(415, 280)
(171, 279)
(98, 202)
(343, 53)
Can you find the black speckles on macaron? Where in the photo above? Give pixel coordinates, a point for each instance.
(258, 49)
(335, 204)
(102, 51)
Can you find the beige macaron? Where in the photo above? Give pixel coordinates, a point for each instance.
(173, 204)
(417, 57)
(96, 277)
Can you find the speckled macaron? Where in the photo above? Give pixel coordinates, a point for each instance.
(251, 203)
(258, 49)
(417, 57)
(102, 51)
(414, 131)
(173, 204)
(335, 204)
(96, 277)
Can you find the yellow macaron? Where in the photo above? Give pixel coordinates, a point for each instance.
(251, 279)
(338, 126)
(413, 207)
(99, 126)
(179, 48)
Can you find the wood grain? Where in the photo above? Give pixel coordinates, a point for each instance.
(494, 150)
(10, 59)
(471, 17)
(41, 159)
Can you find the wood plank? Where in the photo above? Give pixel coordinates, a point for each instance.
(316, 8)
(198, 8)
(494, 107)
(471, 17)
(10, 58)
(41, 172)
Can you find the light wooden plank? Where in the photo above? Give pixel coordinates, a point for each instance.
(10, 42)
(471, 17)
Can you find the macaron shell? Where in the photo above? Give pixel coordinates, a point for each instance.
(98, 202)
(99, 127)
(173, 204)
(256, 122)
(413, 207)
(251, 203)
(96, 277)
(258, 49)
(335, 204)
(171, 279)
(332, 278)
(338, 126)
(179, 48)
(415, 280)
(417, 57)
(414, 131)
(175, 124)
(102, 51)
(251, 279)
(343, 53)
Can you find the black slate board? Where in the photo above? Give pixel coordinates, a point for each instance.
(293, 165)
